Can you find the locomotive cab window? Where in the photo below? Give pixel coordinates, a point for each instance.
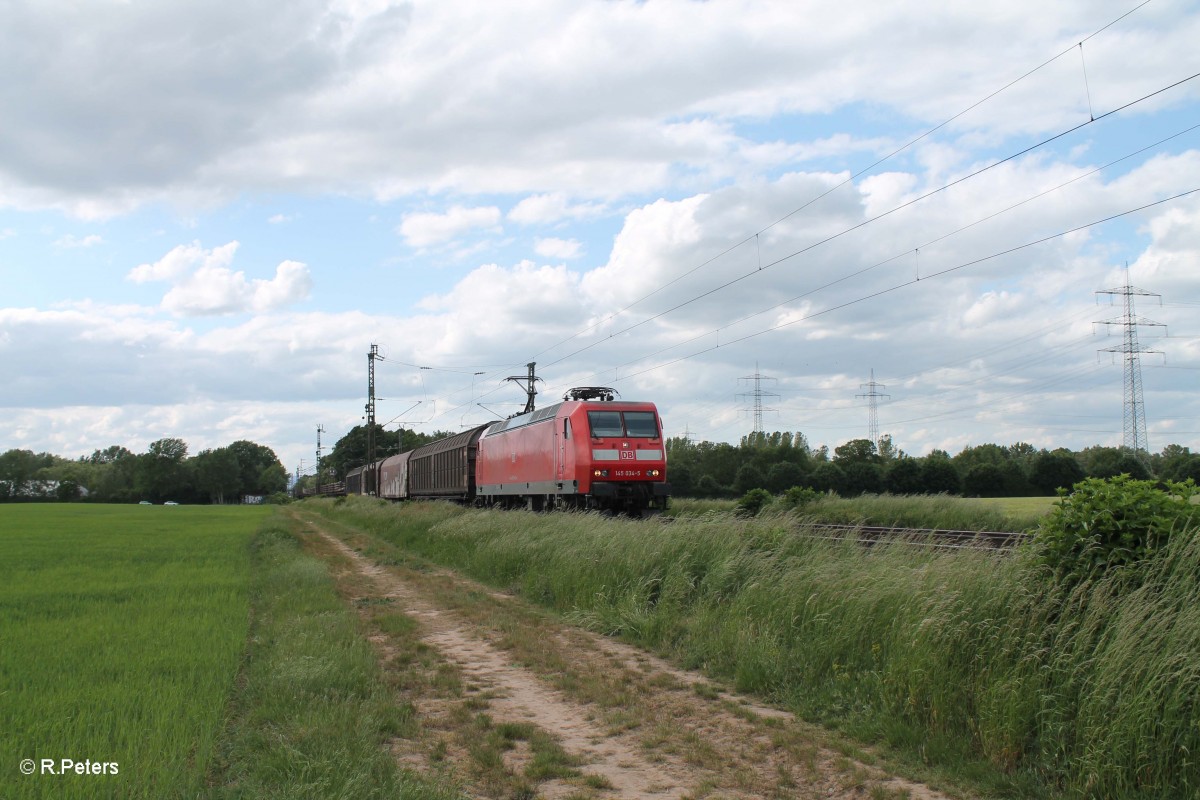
(641, 425)
(605, 423)
(631, 424)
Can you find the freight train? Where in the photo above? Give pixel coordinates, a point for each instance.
(589, 452)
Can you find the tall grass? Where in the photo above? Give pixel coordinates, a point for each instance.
(972, 661)
(121, 633)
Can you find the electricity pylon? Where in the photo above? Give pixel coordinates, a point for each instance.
(758, 394)
(1135, 438)
(873, 396)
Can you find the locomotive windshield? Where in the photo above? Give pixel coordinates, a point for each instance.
(630, 424)
(605, 423)
(641, 425)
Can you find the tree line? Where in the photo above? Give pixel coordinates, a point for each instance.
(164, 472)
(773, 461)
(778, 461)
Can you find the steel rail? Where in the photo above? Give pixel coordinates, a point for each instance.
(930, 537)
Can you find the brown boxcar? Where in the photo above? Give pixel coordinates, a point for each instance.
(393, 477)
(445, 469)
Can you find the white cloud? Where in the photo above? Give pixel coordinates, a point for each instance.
(558, 248)
(599, 102)
(183, 259)
(78, 430)
(277, 219)
(218, 290)
(543, 209)
(646, 253)
(424, 229)
(965, 358)
(71, 241)
(993, 307)
(887, 190)
(204, 284)
(526, 297)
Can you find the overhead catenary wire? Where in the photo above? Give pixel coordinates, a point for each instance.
(959, 386)
(851, 178)
(736, 340)
(871, 220)
(924, 245)
(911, 282)
(848, 180)
(927, 244)
(460, 370)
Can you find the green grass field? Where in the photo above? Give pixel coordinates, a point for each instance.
(1014, 506)
(123, 631)
(185, 652)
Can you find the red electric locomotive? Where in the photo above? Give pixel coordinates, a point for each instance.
(587, 452)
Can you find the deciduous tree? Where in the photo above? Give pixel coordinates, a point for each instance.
(1052, 471)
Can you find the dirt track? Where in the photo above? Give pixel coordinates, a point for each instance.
(629, 724)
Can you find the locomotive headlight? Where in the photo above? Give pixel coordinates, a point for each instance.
(653, 473)
(600, 473)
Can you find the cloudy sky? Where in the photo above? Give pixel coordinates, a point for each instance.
(210, 211)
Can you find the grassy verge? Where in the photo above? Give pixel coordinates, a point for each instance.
(968, 662)
(121, 632)
(312, 713)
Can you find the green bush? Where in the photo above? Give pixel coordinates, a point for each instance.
(753, 502)
(1110, 522)
(799, 497)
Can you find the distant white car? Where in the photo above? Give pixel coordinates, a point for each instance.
(145, 503)
(170, 503)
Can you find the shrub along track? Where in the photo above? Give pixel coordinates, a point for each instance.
(514, 703)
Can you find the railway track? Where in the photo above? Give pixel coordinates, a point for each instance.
(922, 537)
(925, 537)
